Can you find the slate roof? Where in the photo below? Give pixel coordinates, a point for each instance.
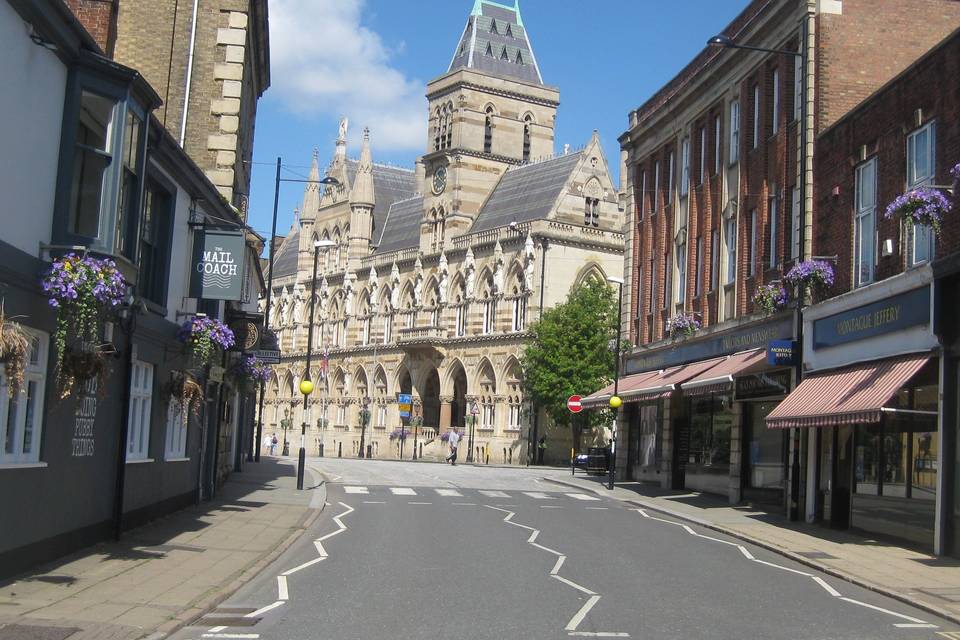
(390, 184)
(401, 230)
(495, 42)
(526, 193)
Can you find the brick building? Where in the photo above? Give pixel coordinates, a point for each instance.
(209, 60)
(880, 359)
(718, 206)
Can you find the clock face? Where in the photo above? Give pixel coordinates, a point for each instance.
(439, 180)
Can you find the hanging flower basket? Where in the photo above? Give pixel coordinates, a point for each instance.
(82, 289)
(205, 338)
(399, 434)
(184, 389)
(250, 372)
(682, 325)
(771, 298)
(14, 346)
(816, 274)
(82, 364)
(923, 206)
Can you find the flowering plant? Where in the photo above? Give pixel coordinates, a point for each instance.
(398, 434)
(251, 369)
(955, 172)
(810, 273)
(205, 337)
(445, 436)
(923, 206)
(771, 298)
(14, 347)
(81, 288)
(682, 324)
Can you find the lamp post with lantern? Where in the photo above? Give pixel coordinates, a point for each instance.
(615, 401)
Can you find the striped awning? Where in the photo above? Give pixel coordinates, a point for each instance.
(851, 395)
(628, 385)
(650, 385)
(719, 377)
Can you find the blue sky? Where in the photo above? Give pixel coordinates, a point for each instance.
(370, 60)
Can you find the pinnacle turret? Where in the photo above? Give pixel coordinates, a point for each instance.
(362, 193)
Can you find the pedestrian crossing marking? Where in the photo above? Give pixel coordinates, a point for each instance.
(581, 496)
(452, 493)
(362, 490)
(495, 494)
(538, 495)
(402, 491)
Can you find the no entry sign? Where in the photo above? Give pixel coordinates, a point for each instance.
(573, 403)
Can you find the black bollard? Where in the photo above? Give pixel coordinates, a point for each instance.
(340, 450)
(421, 451)
(321, 449)
(369, 451)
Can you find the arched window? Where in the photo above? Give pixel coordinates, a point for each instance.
(449, 141)
(433, 305)
(366, 313)
(519, 304)
(488, 131)
(514, 397)
(460, 304)
(488, 390)
(438, 128)
(527, 125)
(489, 306)
(387, 318)
(380, 399)
(326, 253)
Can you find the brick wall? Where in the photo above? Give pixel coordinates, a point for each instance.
(870, 43)
(98, 17)
(879, 129)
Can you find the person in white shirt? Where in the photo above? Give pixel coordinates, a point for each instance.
(454, 440)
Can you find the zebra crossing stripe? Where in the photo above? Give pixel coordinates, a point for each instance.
(453, 493)
(538, 495)
(581, 496)
(494, 494)
(362, 490)
(402, 491)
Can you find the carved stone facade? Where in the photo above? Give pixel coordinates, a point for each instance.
(436, 274)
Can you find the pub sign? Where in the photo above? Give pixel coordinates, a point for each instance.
(217, 269)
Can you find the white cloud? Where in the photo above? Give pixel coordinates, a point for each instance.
(323, 60)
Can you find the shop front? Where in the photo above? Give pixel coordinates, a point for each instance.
(871, 404)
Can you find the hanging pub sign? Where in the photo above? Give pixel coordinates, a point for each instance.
(217, 270)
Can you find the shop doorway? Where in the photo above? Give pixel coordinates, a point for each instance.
(431, 401)
(764, 459)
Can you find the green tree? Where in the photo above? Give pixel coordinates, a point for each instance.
(570, 353)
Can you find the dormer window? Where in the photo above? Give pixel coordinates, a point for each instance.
(504, 55)
(519, 58)
(493, 27)
(489, 51)
(509, 31)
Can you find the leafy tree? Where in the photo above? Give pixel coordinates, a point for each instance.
(570, 353)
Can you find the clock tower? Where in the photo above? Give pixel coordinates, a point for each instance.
(491, 110)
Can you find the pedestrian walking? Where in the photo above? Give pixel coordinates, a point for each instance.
(273, 445)
(541, 448)
(454, 440)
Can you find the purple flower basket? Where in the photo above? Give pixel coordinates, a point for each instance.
(682, 324)
(923, 206)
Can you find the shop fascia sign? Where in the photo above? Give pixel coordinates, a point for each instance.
(217, 269)
(889, 315)
(754, 336)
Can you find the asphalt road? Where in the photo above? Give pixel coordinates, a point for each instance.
(409, 550)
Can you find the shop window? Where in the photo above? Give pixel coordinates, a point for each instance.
(921, 168)
(177, 417)
(155, 238)
(138, 421)
(21, 413)
(864, 236)
(649, 453)
(711, 419)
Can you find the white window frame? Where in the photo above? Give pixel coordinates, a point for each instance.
(752, 253)
(643, 192)
(775, 124)
(795, 224)
(668, 267)
(20, 441)
(698, 277)
(734, 131)
(714, 259)
(797, 87)
(684, 167)
(865, 224)
(774, 214)
(921, 236)
(178, 418)
(656, 187)
(703, 155)
(717, 147)
(756, 117)
(461, 329)
(138, 417)
(680, 254)
(730, 242)
(670, 168)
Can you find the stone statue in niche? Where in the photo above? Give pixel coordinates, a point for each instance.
(498, 269)
(344, 125)
(444, 281)
(470, 268)
(528, 263)
(348, 294)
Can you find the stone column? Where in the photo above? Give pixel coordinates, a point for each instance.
(446, 413)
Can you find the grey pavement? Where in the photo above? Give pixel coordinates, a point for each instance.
(416, 551)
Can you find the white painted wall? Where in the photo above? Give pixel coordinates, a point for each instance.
(31, 104)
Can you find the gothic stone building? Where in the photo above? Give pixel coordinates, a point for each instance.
(437, 273)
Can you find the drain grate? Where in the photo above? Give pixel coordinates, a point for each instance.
(22, 632)
(816, 555)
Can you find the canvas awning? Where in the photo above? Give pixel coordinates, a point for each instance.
(720, 376)
(851, 395)
(650, 385)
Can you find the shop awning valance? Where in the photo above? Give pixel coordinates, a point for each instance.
(851, 395)
(628, 384)
(720, 376)
(650, 385)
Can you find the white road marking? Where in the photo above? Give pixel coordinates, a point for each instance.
(309, 563)
(538, 495)
(362, 490)
(600, 634)
(464, 504)
(282, 592)
(231, 635)
(263, 610)
(597, 508)
(578, 588)
(556, 567)
(419, 503)
(494, 494)
(581, 496)
(550, 506)
(402, 491)
(915, 622)
(823, 583)
(547, 549)
(452, 493)
(216, 629)
(580, 615)
(374, 502)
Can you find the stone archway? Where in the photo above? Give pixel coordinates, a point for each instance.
(430, 397)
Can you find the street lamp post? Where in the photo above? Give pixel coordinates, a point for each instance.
(615, 400)
(306, 385)
(725, 42)
(364, 420)
(472, 417)
(416, 425)
(285, 425)
(266, 312)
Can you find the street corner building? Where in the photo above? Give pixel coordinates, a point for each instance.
(435, 274)
(795, 327)
(113, 421)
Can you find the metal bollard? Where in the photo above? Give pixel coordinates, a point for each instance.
(369, 451)
(421, 451)
(340, 450)
(321, 449)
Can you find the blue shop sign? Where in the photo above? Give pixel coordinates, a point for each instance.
(892, 314)
(782, 353)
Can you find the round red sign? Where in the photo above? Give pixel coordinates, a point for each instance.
(573, 403)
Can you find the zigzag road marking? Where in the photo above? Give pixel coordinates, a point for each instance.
(912, 622)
